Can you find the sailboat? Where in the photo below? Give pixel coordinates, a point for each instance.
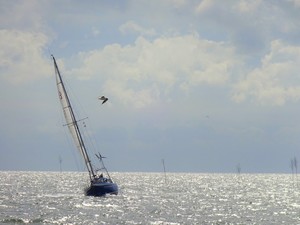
(100, 184)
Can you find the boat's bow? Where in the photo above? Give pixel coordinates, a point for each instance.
(101, 187)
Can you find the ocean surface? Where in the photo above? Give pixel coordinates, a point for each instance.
(147, 198)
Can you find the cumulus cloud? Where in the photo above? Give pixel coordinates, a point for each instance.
(95, 31)
(248, 6)
(156, 68)
(295, 2)
(163, 64)
(276, 80)
(149, 71)
(21, 56)
(25, 15)
(131, 26)
(204, 6)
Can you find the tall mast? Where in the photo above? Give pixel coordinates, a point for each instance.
(71, 120)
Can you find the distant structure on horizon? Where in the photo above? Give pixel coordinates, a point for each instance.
(238, 169)
(163, 162)
(60, 162)
(294, 165)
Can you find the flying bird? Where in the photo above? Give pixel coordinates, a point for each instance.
(103, 98)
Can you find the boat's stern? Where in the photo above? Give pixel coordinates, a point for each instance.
(101, 189)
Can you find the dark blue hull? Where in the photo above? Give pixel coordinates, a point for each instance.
(101, 189)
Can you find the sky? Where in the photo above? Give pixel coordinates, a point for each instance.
(206, 85)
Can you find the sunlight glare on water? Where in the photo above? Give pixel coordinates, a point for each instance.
(145, 198)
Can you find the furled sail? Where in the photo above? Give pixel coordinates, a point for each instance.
(71, 120)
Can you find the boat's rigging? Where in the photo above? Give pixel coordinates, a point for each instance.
(73, 125)
(84, 123)
(70, 144)
(100, 157)
(67, 124)
(100, 185)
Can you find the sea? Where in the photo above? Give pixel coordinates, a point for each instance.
(150, 198)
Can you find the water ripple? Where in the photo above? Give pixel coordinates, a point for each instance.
(145, 198)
